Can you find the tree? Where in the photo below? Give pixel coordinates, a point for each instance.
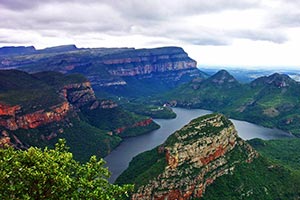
(54, 174)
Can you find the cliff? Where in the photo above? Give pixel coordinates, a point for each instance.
(148, 61)
(37, 109)
(74, 95)
(120, 71)
(189, 161)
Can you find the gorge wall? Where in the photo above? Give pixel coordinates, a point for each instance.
(113, 70)
(37, 109)
(190, 160)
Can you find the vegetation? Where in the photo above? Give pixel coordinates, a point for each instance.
(88, 132)
(34, 91)
(54, 174)
(154, 111)
(143, 168)
(284, 151)
(261, 179)
(271, 101)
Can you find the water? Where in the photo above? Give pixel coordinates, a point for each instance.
(118, 159)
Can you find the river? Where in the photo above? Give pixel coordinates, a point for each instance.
(119, 158)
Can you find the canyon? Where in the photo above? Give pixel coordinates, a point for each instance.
(38, 109)
(190, 160)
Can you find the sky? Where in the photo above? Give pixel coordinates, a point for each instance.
(246, 33)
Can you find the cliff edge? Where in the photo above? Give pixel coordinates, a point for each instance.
(191, 159)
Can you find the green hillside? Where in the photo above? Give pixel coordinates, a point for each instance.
(28, 101)
(271, 101)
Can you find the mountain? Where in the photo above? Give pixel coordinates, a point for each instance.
(271, 101)
(190, 160)
(222, 78)
(58, 49)
(16, 50)
(117, 71)
(37, 109)
(214, 92)
(206, 159)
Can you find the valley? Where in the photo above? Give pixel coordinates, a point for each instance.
(119, 159)
(109, 102)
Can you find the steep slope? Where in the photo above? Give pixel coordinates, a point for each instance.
(212, 93)
(271, 101)
(189, 161)
(207, 160)
(117, 71)
(37, 109)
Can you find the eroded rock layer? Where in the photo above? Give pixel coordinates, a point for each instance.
(194, 157)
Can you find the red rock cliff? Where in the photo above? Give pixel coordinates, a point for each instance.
(196, 156)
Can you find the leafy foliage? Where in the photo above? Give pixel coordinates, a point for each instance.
(285, 151)
(143, 168)
(261, 179)
(54, 174)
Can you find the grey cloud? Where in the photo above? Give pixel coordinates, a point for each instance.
(207, 41)
(261, 35)
(151, 10)
(288, 19)
(285, 14)
(152, 18)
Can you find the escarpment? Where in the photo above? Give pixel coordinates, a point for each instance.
(37, 109)
(147, 61)
(75, 95)
(114, 70)
(190, 160)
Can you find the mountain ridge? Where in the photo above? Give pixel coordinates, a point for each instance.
(270, 101)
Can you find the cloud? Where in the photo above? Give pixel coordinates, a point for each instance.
(195, 22)
(274, 36)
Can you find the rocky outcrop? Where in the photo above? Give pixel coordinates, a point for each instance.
(8, 110)
(73, 95)
(196, 156)
(35, 119)
(5, 139)
(79, 94)
(105, 104)
(142, 69)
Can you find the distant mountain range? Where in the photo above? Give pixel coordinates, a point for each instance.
(271, 101)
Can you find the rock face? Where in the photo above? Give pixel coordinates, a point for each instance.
(164, 67)
(33, 120)
(79, 94)
(195, 157)
(75, 96)
(114, 70)
(148, 61)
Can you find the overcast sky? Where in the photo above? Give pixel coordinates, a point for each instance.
(214, 32)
